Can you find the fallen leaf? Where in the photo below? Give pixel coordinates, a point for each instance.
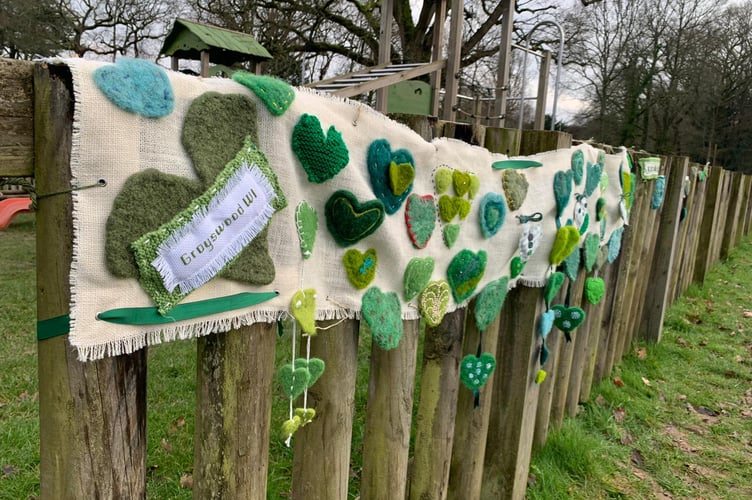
(703, 343)
(646, 381)
(618, 382)
(626, 439)
(619, 414)
(747, 314)
(186, 481)
(637, 458)
(9, 470)
(642, 353)
(681, 397)
(739, 359)
(600, 400)
(166, 446)
(180, 422)
(682, 342)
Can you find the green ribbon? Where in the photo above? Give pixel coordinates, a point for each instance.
(515, 164)
(188, 310)
(53, 327)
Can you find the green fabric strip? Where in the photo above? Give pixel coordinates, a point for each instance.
(515, 164)
(190, 310)
(53, 327)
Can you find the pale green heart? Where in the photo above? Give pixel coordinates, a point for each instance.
(307, 222)
(433, 302)
(303, 306)
(443, 180)
(515, 188)
(315, 367)
(451, 233)
(595, 289)
(306, 415)
(417, 275)
(453, 206)
(290, 426)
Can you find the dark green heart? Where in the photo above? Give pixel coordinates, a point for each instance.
(293, 381)
(516, 267)
(380, 158)
(567, 318)
(475, 370)
(349, 220)
(322, 156)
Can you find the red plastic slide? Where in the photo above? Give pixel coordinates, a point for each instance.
(9, 207)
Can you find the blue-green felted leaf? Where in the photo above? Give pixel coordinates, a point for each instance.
(380, 158)
(277, 95)
(420, 218)
(590, 249)
(562, 190)
(614, 244)
(476, 370)
(602, 257)
(659, 190)
(383, 315)
(593, 178)
(553, 285)
(571, 264)
(322, 156)
(546, 323)
(544, 354)
(465, 272)
(136, 85)
(417, 275)
(578, 166)
(492, 212)
(489, 302)
(349, 220)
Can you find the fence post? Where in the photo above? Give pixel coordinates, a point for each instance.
(732, 217)
(703, 260)
(92, 421)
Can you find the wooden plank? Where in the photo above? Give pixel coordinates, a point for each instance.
(92, 422)
(705, 235)
(595, 318)
(656, 299)
(16, 118)
(503, 140)
(385, 49)
(539, 141)
(454, 61)
(515, 398)
(732, 215)
(554, 343)
(721, 212)
(697, 209)
(386, 445)
(743, 204)
(233, 410)
(321, 458)
(437, 408)
(604, 361)
(681, 245)
(748, 214)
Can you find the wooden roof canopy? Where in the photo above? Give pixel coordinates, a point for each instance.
(195, 41)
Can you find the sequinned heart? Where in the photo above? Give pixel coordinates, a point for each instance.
(348, 220)
(322, 156)
(475, 370)
(489, 302)
(417, 275)
(420, 217)
(433, 302)
(595, 289)
(380, 159)
(136, 85)
(360, 267)
(465, 272)
(383, 315)
(303, 306)
(567, 318)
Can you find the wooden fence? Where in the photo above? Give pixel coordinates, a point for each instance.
(92, 415)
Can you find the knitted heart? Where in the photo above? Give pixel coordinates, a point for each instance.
(433, 302)
(515, 188)
(516, 267)
(567, 239)
(420, 217)
(475, 370)
(567, 318)
(465, 272)
(360, 267)
(293, 381)
(303, 306)
(595, 289)
(276, 94)
(452, 206)
(489, 302)
(322, 156)
(461, 181)
(136, 85)
(383, 315)
(546, 323)
(307, 222)
(417, 275)
(443, 179)
(314, 366)
(590, 249)
(289, 427)
(348, 220)
(451, 233)
(306, 415)
(380, 158)
(492, 212)
(401, 177)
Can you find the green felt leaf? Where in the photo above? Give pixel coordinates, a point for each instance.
(293, 380)
(322, 156)
(553, 285)
(476, 370)
(417, 275)
(315, 367)
(451, 232)
(420, 218)
(516, 267)
(571, 265)
(433, 302)
(593, 178)
(465, 272)
(578, 166)
(489, 302)
(277, 95)
(515, 164)
(383, 315)
(360, 266)
(307, 222)
(592, 244)
(562, 190)
(349, 220)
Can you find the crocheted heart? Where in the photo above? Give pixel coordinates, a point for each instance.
(433, 302)
(303, 307)
(348, 220)
(492, 212)
(380, 158)
(137, 86)
(461, 181)
(546, 323)
(443, 179)
(475, 370)
(417, 275)
(276, 94)
(360, 267)
(595, 289)
(383, 315)
(293, 380)
(590, 249)
(307, 222)
(420, 217)
(465, 272)
(451, 233)
(322, 156)
(515, 188)
(516, 267)
(401, 176)
(489, 302)
(453, 206)
(567, 239)
(314, 366)
(567, 318)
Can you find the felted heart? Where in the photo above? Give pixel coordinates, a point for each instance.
(567, 239)
(553, 285)
(544, 353)
(604, 182)
(492, 212)
(546, 323)
(474, 186)
(306, 415)
(578, 166)
(465, 272)
(348, 220)
(443, 179)
(571, 265)
(322, 156)
(289, 427)
(475, 370)
(453, 206)
(562, 190)
(595, 289)
(451, 232)
(315, 367)
(380, 158)
(515, 188)
(360, 267)
(614, 244)
(489, 302)
(417, 275)
(303, 306)
(461, 181)
(567, 318)
(593, 178)
(401, 177)
(383, 315)
(540, 377)
(600, 209)
(293, 381)
(590, 249)
(307, 222)
(276, 94)
(516, 267)
(433, 302)
(137, 86)
(420, 218)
